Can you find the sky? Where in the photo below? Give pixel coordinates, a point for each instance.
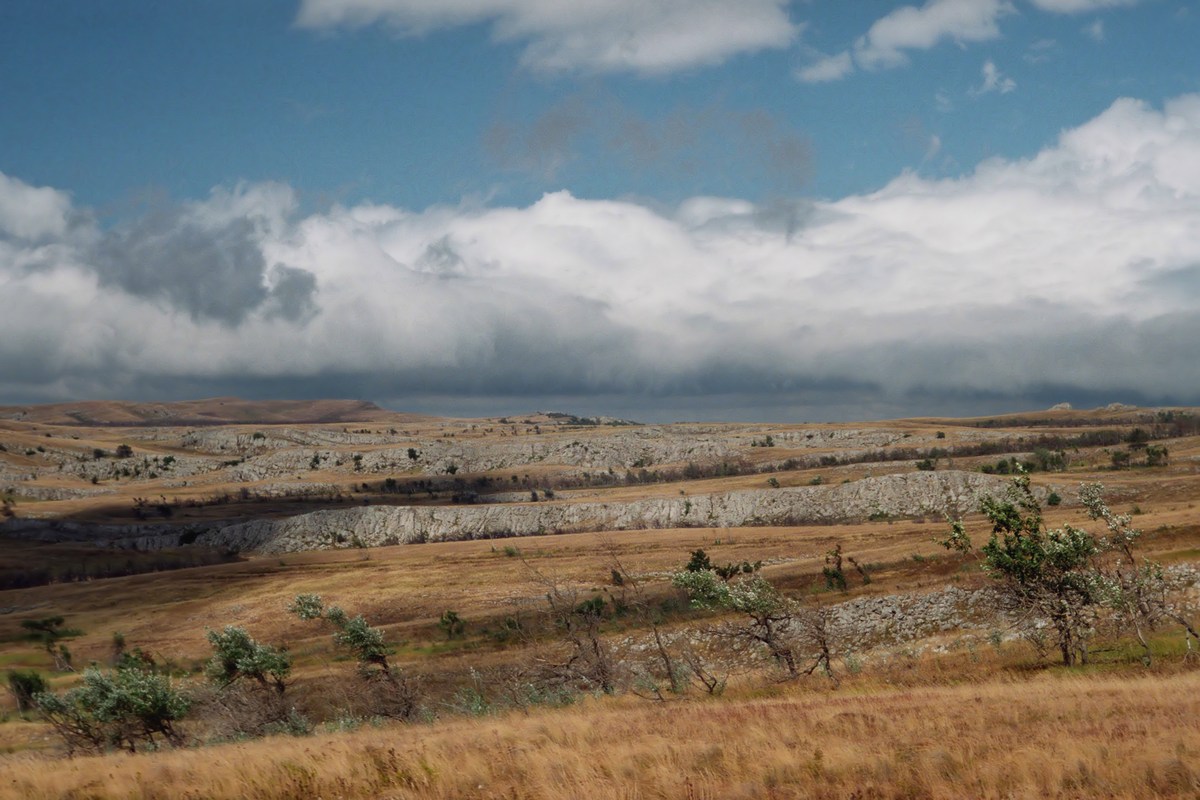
(674, 210)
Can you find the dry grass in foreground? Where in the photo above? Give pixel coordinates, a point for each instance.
(1053, 735)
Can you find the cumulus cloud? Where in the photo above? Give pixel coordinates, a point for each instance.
(206, 259)
(827, 68)
(1072, 274)
(993, 81)
(886, 42)
(28, 212)
(591, 36)
(913, 28)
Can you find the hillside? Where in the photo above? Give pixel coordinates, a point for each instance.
(500, 558)
(213, 411)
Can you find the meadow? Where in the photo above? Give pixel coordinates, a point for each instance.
(967, 709)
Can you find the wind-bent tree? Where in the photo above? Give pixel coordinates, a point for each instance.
(124, 708)
(789, 632)
(236, 656)
(1044, 574)
(391, 693)
(1137, 590)
(250, 680)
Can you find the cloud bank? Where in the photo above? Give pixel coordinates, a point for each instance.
(583, 35)
(1072, 273)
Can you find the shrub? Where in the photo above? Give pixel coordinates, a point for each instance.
(125, 708)
(236, 656)
(452, 624)
(388, 691)
(699, 562)
(25, 685)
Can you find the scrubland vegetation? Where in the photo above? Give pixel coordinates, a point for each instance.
(1037, 648)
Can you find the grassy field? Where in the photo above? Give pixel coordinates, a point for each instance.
(970, 712)
(1013, 736)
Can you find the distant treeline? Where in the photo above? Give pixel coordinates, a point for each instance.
(1165, 424)
(54, 566)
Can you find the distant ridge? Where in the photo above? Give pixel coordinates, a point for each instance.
(212, 411)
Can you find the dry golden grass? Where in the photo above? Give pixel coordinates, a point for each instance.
(1049, 736)
(405, 589)
(983, 725)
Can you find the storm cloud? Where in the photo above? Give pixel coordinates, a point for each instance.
(209, 265)
(1068, 275)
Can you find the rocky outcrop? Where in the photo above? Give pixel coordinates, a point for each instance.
(899, 495)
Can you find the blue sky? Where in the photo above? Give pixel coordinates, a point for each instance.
(739, 208)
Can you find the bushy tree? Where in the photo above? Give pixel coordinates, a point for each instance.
(699, 562)
(771, 615)
(250, 679)
(123, 708)
(237, 656)
(790, 632)
(1046, 574)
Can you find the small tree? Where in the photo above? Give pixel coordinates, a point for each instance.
(770, 614)
(49, 632)
(452, 624)
(835, 576)
(25, 685)
(250, 680)
(125, 708)
(1136, 590)
(634, 596)
(393, 694)
(699, 562)
(1157, 455)
(237, 656)
(1047, 574)
(579, 621)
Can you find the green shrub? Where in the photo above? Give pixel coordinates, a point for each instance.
(122, 709)
(25, 685)
(236, 656)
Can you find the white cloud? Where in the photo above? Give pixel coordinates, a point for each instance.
(1077, 268)
(585, 35)
(994, 81)
(829, 68)
(886, 43)
(1079, 6)
(1040, 51)
(913, 28)
(27, 212)
(1095, 31)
